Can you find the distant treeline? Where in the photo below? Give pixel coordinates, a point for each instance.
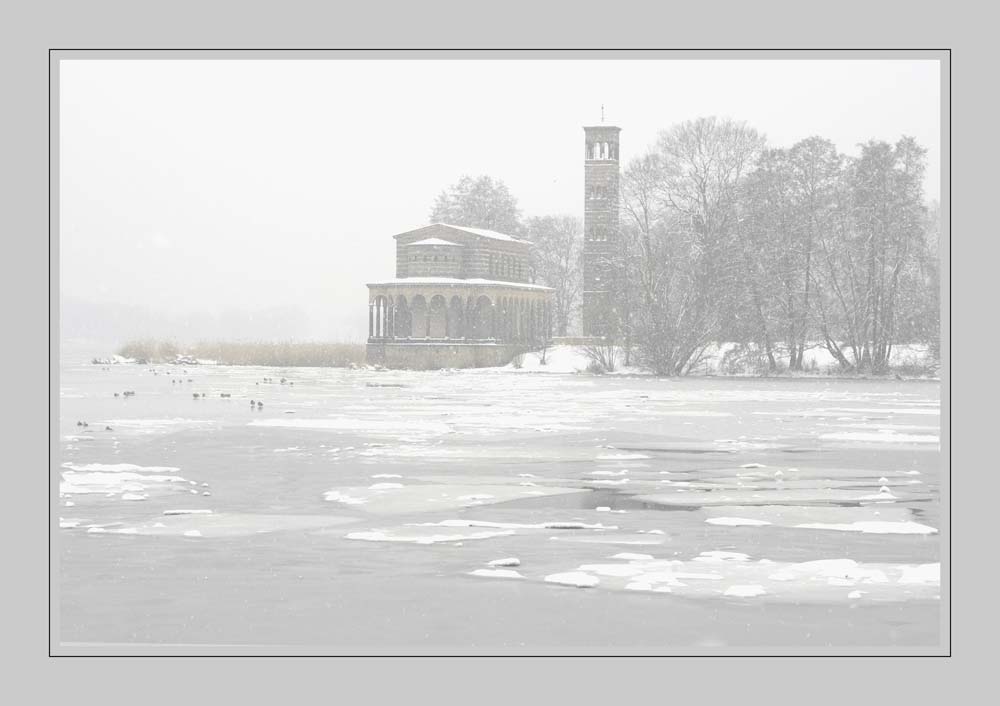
(331, 355)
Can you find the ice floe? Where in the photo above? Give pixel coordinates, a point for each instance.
(769, 496)
(573, 578)
(714, 556)
(497, 573)
(736, 521)
(402, 535)
(118, 468)
(630, 556)
(735, 575)
(922, 574)
(374, 426)
(187, 512)
(874, 527)
(116, 483)
(156, 426)
(554, 524)
(882, 437)
(423, 497)
(186, 523)
(508, 561)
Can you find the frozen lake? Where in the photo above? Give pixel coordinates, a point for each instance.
(360, 510)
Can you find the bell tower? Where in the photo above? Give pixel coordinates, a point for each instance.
(600, 230)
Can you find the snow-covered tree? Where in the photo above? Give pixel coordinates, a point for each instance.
(680, 205)
(478, 202)
(871, 275)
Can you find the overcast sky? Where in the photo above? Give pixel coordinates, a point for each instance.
(200, 187)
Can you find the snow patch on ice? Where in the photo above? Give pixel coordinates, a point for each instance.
(509, 561)
(873, 527)
(389, 536)
(118, 468)
(379, 426)
(882, 436)
(921, 574)
(714, 556)
(573, 578)
(736, 521)
(497, 573)
(516, 525)
(630, 556)
(338, 497)
(187, 512)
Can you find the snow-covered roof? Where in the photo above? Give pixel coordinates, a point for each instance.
(457, 281)
(481, 232)
(435, 241)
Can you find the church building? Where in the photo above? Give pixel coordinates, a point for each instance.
(467, 297)
(462, 297)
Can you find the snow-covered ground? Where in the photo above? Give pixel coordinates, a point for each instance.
(482, 509)
(816, 359)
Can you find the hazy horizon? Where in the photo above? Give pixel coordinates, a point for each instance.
(256, 198)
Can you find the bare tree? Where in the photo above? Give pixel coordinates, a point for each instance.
(680, 203)
(786, 202)
(872, 259)
(557, 263)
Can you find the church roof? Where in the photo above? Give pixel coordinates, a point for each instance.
(480, 232)
(435, 241)
(458, 281)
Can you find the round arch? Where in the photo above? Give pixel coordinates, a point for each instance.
(418, 316)
(437, 317)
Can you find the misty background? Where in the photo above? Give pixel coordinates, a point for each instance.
(254, 199)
